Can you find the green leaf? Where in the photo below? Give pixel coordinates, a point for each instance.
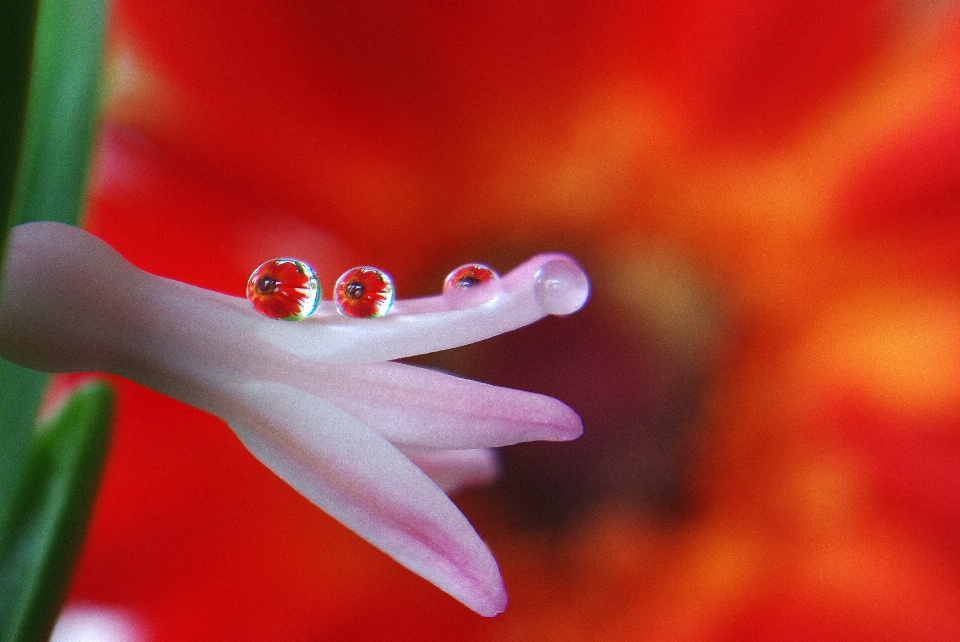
(39, 550)
(18, 18)
(50, 56)
(45, 151)
(62, 111)
(21, 392)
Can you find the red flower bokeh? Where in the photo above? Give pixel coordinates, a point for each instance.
(767, 196)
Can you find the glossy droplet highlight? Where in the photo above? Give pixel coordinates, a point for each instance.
(468, 276)
(561, 287)
(364, 293)
(285, 289)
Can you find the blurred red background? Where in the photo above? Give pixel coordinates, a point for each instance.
(767, 197)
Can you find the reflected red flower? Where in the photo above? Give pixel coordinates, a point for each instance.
(284, 289)
(364, 293)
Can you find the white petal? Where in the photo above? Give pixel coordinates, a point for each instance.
(426, 408)
(359, 478)
(96, 623)
(71, 303)
(454, 470)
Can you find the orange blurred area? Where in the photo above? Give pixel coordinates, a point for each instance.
(766, 195)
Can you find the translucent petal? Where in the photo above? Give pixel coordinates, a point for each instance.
(453, 470)
(426, 408)
(359, 478)
(315, 401)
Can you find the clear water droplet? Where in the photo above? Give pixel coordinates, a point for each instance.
(364, 293)
(561, 287)
(285, 289)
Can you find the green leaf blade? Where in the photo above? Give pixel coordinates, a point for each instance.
(62, 112)
(18, 18)
(21, 392)
(49, 99)
(50, 59)
(40, 547)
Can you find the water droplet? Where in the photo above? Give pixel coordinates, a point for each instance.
(470, 285)
(562, 287)
(364, 292)
(284, 289)
(468, 276)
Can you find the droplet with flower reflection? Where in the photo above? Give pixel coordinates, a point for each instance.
(285, 289)
(467, 276)
(364, 293)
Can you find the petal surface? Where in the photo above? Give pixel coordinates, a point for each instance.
(189, 343)
(306, 398)
(429, 409)
(360, 479)
(454, 470)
